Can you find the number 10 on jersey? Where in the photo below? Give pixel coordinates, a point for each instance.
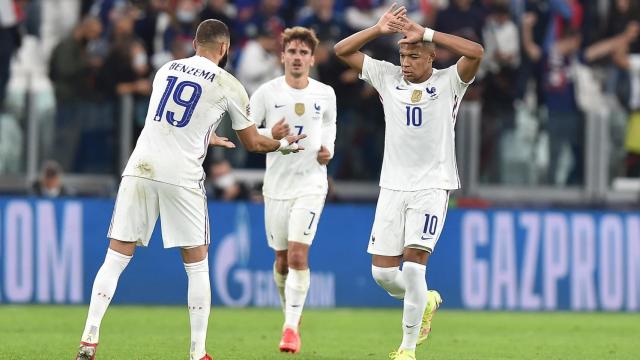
(414, 116)
(189, 104)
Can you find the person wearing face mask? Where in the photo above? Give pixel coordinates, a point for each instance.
(49, 184)
(223, 185)
(73, 70)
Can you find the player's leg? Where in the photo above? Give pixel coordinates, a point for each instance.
(302, 225)
(415, 298)
(133, 220)
(386, 243)
(185, 224)
(196, 264)
(280, 272)
(425, 217)
(276, 215)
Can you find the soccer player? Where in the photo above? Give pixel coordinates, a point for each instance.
(295, 186)
(419, 168)
(164, 176)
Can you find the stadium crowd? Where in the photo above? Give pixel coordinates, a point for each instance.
(548, 64)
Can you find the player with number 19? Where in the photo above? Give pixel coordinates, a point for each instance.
(295, 186)
(164, 177)
(419, 167)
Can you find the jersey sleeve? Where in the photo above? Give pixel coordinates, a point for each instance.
(258, 110)
(374, 71)
(329, 123)
(459, 87)
(238, 106)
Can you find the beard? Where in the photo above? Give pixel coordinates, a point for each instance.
(223, 61)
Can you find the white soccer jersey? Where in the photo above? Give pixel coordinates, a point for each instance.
(419, 144)
(310, 111)
(189, 99)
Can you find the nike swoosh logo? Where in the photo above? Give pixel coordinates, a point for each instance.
(400, 88)
(306, 233)
(295, 306)
(279, 106)
(426, 238)
(410, 326)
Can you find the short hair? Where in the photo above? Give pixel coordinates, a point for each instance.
(212, 31)
(306, 36)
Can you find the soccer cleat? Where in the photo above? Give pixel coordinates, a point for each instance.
(206, 357)
(290, 341)
(433, 303)
(403, 355)
(86, 351)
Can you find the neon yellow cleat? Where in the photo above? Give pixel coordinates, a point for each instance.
(403, 355)
(433, 303)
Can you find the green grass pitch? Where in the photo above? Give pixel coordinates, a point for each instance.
(132, 333)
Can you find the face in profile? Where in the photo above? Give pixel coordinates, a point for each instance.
(416, 60)
(297, 58)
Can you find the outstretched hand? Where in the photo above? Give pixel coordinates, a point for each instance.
(393, 20)
(221, 141)
(293, 146)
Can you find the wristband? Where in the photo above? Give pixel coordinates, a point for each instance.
(428, 34)
(283, 144)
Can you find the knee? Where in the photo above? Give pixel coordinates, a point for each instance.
(384, 275)
(282, 265)
(297, 259)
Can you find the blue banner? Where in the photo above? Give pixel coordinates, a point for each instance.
(493, 259)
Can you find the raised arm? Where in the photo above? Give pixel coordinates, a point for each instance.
(471, 51)
(348, 50)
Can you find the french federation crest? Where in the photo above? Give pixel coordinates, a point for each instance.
(299, 108)
(416, 96)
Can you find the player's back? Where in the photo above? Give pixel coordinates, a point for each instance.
(189, 98)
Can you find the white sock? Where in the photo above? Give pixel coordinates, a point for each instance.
(199, 303)
(415, 302)
(104, 286)
(280, 281)
(390, 279)
(295, 291)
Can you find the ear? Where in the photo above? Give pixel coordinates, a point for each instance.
(223, 49)
(282, 57)
(193, 43)
(313, 60)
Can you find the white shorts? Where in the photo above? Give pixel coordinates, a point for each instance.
(411, 219)
(292, 220)
(183, 211)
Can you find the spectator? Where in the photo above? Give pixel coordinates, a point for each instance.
(565, 119)
(499, 68)
(223, 185)
(73, 71)
(49, 183)
(260, 60)
(9, 42)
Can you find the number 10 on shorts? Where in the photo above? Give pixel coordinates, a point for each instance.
(430, 226)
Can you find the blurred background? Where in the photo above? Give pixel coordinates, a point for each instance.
(551, 122)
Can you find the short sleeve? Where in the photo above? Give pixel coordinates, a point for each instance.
(329, 122)
(374, 71)
(238, 106)
(459, 87)
(258, 107)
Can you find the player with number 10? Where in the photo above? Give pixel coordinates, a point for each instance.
(164, 177)
(419, 167)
